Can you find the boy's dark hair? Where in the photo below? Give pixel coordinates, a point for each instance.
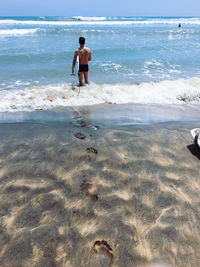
(81, 40)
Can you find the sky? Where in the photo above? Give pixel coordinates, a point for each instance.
(99, 8)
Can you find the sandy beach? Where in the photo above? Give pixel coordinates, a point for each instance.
(83, 196)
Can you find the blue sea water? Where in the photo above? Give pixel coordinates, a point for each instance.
(134, 60)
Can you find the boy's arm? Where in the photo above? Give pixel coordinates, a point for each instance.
(74, 61)
(90, 56)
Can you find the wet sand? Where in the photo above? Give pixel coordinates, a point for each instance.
(124, 196)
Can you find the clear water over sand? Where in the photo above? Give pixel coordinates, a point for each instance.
(125, 196)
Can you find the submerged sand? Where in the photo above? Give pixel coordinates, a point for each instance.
(123, 196)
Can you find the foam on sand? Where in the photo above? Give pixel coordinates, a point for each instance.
(61, 95)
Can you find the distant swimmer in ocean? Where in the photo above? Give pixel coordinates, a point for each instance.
(179, 25)
(82, 55)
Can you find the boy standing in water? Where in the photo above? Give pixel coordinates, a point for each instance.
(84, 55)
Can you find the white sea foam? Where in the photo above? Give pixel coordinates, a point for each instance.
(155, 69)
(102, 22)
(110, 66)
(89, 18)
(61, 95)
(172, 34)
(45, 31)
(18, 31)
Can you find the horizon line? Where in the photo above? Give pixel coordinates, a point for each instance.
(157, 16)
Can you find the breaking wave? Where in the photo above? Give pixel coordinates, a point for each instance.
(102, 21)
(55, 96)
(18, 31)
(89, 18)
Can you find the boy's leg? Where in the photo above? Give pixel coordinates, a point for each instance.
(80, 77)
(86, 77)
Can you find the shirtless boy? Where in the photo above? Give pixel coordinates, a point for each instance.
(84, 54)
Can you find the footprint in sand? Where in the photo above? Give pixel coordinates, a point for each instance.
(80, 136)
(23, 146)
(86, 188)
(92, 150)
(92, 153)
(83, 122)
(102, 254)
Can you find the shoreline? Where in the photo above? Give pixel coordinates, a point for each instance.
(108, 114)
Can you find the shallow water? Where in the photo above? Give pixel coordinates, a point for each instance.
(107, 116)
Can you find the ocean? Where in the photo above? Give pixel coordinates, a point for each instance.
(135, 60)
